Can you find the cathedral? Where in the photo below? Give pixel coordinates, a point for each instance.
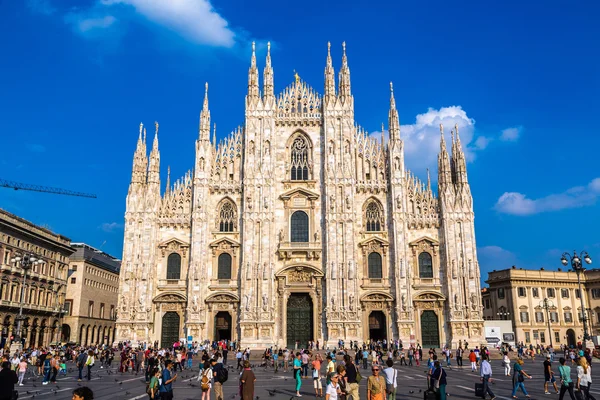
(300, 226)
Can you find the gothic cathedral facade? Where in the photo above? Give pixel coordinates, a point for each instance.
(300, 226)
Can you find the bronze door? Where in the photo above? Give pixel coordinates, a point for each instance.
(430, 332)
(170, 329)
(299, 320)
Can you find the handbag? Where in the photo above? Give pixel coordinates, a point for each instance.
(358, 375)
(520, 377)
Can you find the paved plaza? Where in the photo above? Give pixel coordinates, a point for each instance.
(109, 384)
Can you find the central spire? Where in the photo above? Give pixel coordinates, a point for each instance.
(268, 89)
(393, 119)
(204, 131)
(344, 88)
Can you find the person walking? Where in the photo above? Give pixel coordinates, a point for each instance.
(549, 375)
(81, 358)
(485, 371)
(376, 388)
(519, 376)
(506, 363)
(216, 372)
(473, 360)
(439, 381)
(566, 381)
(316, 374)
(459, 354)
(89, 363)
(391, 382)
(298, 372)
(333, 389)
(167, 378)
(8, 378)
(22, 369)
(351, 378)
(584, 378)
(247, 382)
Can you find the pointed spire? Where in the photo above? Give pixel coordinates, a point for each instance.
(444, 169)
(344, 84)
(393, 119)
(140, 160)
(329, 75)
(154, 164)
(168, 185)
(428, 181)
(253, 77)
(268, 89)
(382, 135)
(215, 134)
(204, 129)
(459, 161)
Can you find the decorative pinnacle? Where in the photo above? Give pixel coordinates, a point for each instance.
(205, 105)
(268, 54)
(156, 128)
(253, 55)
(215, 134)
(141, 129)
(442, 129)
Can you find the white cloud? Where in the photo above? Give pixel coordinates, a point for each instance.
(196, 20)
(482, 142)
(519, 204)
(511, 134)
(110, 227)
(88, 24)
(495, 257)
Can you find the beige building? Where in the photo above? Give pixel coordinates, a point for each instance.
(300, 226)
(45, 282)
(92, 292)
(518, 295)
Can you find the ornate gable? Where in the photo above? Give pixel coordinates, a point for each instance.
(424, 243)
(374, 244)
(299, 192)
(299, 103)
(174, 245)
(223, 244)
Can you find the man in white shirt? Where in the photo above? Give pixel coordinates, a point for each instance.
(485, 372)
(333, 388)
(390, 378)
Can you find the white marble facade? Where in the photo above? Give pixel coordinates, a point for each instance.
(300, 224)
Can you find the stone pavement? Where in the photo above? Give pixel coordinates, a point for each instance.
(108, 384)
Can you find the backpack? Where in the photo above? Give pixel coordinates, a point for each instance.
(222, 375)
(205, 382)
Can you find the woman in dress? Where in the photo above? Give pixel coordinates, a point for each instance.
(376, 385)
(247, 382)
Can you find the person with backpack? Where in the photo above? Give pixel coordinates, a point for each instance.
(166, 384)
(220, 375)
(154, 383)
(206, 381)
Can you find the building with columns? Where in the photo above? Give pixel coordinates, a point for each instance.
(45, 283)
(91, 300)
(518, 295)
(300, 226)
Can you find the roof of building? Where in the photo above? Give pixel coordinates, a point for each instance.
(23, 224)
(87, 253)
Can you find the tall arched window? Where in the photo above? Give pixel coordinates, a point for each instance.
(174, 266)
(375, 267)
(373, 217)
(227, 217)
(224, 270)
(299, 227)
(425, 265)
(299, 159)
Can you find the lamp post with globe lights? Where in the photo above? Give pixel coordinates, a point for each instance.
(577, 265)
(547, 304)
(25, 262)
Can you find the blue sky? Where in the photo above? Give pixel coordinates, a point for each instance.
(521, 79)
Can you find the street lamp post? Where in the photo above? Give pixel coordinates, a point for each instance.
(547, 304)
(26, 262)
(578, 267)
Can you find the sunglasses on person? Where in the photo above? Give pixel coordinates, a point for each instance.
(375, 369)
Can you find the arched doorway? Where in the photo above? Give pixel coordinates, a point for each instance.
(377, 326)
(170, 329)
(430, 330)
(571, 341)
(299, 320)
(223, 326)
(65, 334)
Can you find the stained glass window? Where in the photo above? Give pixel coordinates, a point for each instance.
(299, 159)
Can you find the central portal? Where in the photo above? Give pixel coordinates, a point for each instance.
(430, 331)
(170, 329)
(223, 326)
(377, 328)
(299, 320)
